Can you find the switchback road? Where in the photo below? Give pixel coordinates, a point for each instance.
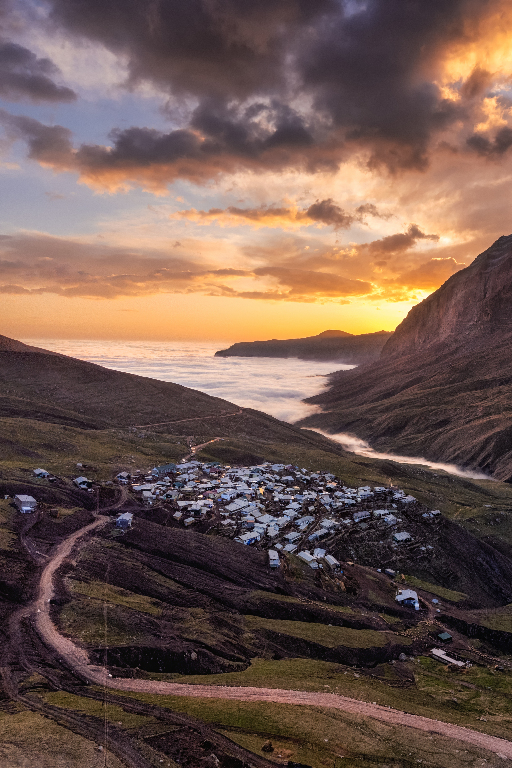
(78, 660)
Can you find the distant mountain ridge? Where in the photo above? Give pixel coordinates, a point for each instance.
(442, 387)
(344, 348)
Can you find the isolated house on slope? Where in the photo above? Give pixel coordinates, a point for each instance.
(408, 597)
(124, 521)
(25, 503)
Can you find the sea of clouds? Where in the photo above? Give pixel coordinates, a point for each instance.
(275, 386)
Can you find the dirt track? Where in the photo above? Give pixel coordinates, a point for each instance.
(193, 418)
(78, 660)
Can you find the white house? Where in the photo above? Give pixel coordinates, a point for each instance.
(332, 562)
(408, 597)
(273, 558)
(124, 521)
(82, 482)
(25, 503)
(401, 537)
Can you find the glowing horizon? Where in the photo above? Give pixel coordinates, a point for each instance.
(263, 173)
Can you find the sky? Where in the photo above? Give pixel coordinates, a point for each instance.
(246, 169)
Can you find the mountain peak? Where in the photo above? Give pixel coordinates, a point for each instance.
(472, 303)
(329, 334)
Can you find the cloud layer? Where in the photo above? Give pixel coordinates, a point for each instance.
(330, 151)
(267, 87)
(281, 271)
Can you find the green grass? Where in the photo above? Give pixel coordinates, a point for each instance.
(260, 594)
(389, 619)
(96, 708)
(83, 619)
(331, 637)
(7, 513)
(116, 595)
(317, 736)
(446, 594)
(29, 740)
(496, 618)
(26, 443)
(7, 538)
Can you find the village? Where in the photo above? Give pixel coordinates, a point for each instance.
(282, 510)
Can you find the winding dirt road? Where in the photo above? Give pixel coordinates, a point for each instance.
(78, 660)
(193, 418)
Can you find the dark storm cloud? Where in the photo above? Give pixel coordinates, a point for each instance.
(366, 73)
(227, 48)
(370, 73)
(48, 144)
(491, 148)
(328, 212)
(154, 157)
(24, 76)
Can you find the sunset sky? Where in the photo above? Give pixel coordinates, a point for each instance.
(244, 169)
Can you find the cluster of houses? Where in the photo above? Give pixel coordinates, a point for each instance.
(280, 508)
(277, 507)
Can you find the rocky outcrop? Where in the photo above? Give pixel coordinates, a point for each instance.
(475, 304)
(340, 346)
(442, 387)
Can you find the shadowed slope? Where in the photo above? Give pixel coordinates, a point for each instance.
(443, 385)
(49, 387)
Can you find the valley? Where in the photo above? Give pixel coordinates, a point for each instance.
(212, 652)
(442, 385)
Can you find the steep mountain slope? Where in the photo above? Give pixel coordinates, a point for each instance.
(53, 387)
(442, 387)
(329, 345)
(36, 385)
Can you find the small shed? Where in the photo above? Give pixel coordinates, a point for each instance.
(317, 535)
(82, 482)
(445, 637)
(25, 503)
(41, 473)
(401, 537)
(273, 558)
(440, 655)
(124, 521)
(332, 563)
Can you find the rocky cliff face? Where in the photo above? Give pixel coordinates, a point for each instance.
(472, 304)
(442, 387)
